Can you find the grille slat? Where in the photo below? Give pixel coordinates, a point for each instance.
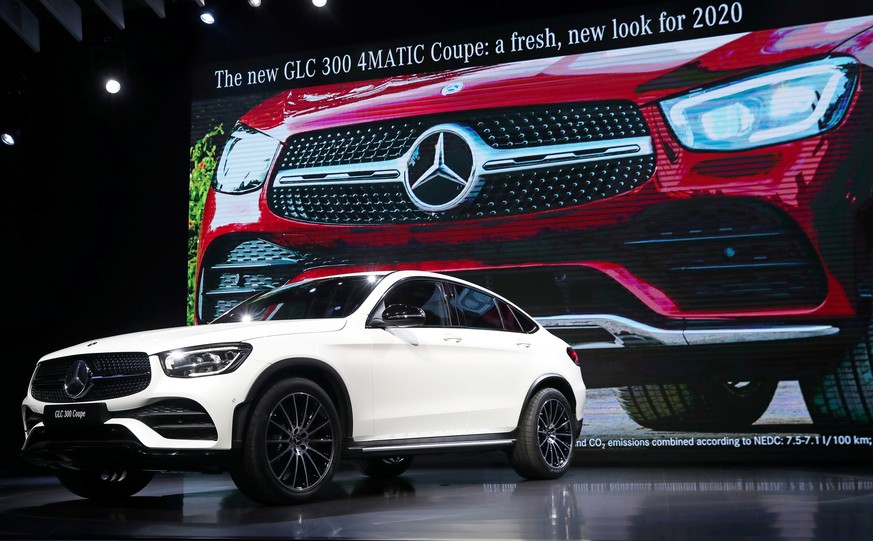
(114, 375)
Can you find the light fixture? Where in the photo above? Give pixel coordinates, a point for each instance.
(207, 17)
(7, 139)
(113, 86)
(319, 3)
(255, 3)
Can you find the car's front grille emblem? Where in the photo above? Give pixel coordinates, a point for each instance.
(78, 379)
(440, 171)
(92, 377)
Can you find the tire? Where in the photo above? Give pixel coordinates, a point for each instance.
(104, 486)
(383, 467)
(716, 406)
(545, 437)
(291, 445)
(843, 396)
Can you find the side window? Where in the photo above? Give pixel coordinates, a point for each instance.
(527, 324)
(425, 294)
(476, 309)
(507, 314)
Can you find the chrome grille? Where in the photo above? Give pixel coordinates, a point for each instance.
(354, 145)
(531, 159)
(113, 375)
(506, 128)
(561, 124)
(501, 195)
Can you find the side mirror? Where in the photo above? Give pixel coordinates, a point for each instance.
(403, 315)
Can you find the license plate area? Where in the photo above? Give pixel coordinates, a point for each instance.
(75, 415)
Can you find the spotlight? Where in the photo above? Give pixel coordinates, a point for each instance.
(319, 3)
(255, 3)
(207, 17)
(7, 139)
(113, 86)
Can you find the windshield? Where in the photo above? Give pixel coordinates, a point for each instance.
(314, 299)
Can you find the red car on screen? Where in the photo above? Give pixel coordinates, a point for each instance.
(694, 217)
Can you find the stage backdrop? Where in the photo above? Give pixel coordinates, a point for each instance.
(683, 194)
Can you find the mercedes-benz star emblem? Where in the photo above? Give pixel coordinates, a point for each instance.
(78, 379)
(439, 173)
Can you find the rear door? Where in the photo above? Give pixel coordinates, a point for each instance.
(500, 359)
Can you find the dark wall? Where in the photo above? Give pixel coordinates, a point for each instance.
(98, 194)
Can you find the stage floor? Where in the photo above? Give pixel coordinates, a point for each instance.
(485, 500)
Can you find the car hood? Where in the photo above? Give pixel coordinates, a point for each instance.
(159, 340)
(640, 74)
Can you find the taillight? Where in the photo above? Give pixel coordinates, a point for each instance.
(573, 355)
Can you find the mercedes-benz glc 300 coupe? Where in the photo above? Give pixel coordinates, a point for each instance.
(696, 216)
(377, 367)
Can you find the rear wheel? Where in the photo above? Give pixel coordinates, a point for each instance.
(104, 485)
(844, 394)
(722, 406)
(545, 437)
(291, 446)
(384, 467)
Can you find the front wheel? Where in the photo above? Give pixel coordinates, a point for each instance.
(104, 485)
(545, 437)
(291, 446)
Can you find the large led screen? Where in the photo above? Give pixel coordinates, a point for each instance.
(684, 195)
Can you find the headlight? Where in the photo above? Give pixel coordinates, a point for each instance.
(245, 161)
(204, 360)
(778, 106)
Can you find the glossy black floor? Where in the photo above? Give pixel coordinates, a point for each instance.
(483, 499)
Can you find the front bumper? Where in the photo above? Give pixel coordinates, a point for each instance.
(111, 446)
(696, 258)
(779, 360)
(135, 408)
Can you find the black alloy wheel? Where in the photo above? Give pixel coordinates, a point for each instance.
(545, 437)
(292, 444)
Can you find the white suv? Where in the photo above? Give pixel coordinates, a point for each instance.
(376, 367)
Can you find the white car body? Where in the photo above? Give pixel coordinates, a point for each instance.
(409, 389)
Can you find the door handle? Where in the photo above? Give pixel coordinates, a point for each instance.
(453, 339)
(523, 344)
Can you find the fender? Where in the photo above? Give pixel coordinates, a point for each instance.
(557, 382)
(317, 371)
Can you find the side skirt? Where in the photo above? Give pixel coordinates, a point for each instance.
(418, 446)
